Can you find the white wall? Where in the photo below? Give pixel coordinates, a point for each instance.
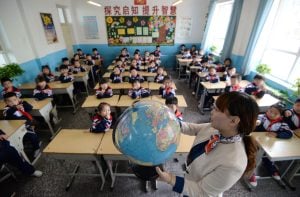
(248, 15)
(196, 9)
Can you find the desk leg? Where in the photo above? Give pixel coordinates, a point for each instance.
(198, 87)
(70, 93)
(45, 113)
(101, 173)
(109, 164)
(72, 177)
(85, 81)
(201, 102)
(295, 167)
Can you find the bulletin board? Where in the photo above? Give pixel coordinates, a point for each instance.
(140, 30)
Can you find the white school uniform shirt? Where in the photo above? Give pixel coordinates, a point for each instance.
(213, 173)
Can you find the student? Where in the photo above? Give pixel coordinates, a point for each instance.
(153, 59)
(17, 109)
(227, 74)
(8, 87)
(116, 76)
(182, 48)
(137, 91)
(42, 89)
(121, 65)
(172, 103)
(272, 122)
(65, 61)
(257, 87)
(134, 65)
(204, 68)
(194, 51)
(157, 52)
(102, 120)
(89, 61)
(222, 151)
(95, 54)
(77, 67)
(292, 117)
(186, 54)
(81, 54)
(47, 74)
(75, 57)
(65, 77)
(166, 90)
(227, 63)
(9, 155)
(146, 56)
(124, 54)
(137, 59)
(234, 85)
(212, 76)
(160, 75)
(104, 90)
(152, 67)
(135, 76)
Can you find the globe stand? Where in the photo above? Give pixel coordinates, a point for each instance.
(146, 173)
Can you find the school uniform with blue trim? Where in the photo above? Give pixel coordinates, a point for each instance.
(100, 124)
(137, 77)
(159, 78)
(253, 89)
(115, 78)
(14, 90)
(139, 93)
(78, 69)
(106, 94)
(294, 120)
(41, 94)
(49, 78)
(65, 79)
(167, 92)
(212, 168)
(212, 78)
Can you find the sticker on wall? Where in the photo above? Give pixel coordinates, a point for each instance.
(90, 27)
(49, 28)
(140, 2)
(185, 27)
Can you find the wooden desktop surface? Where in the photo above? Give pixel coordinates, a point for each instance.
(9, 127)
(75, 141)
(181, 100)
(92, 101)
(37, 105)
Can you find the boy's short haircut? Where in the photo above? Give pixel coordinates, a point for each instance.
(236, 76)
(279, 107)
(101, 106)
(79, 50)
(63, 67)
(167, 78)
(297, 100)
(45, 66)
(64, 59)
(259, 77)
(230, 68)
(211, 67)
(5, 79)
(157, 46)
(88, 54)
(171, 101)
(136, 81)
(103, 81)
(9, 95)
(95, 49)
(160, 67)
(40, 79)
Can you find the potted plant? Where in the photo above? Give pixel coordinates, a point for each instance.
(297, 86)
(263, 69)
(213, 49)
(11, 71)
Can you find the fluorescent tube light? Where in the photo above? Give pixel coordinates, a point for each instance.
(177, 2)
(94, 3)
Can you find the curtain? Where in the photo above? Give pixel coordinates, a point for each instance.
(211, 9)
(232, 29)
(263, 11)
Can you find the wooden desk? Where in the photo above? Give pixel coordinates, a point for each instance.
(57, 87)
(279, 150)
(118, 86)
(127, 74)
(156, 86)
(91, 103)
(126, 101)
(40, 108)
(181, 100)
(83, 77)
(185, 144)
(15, 130)
(184, 63)
(76, 144)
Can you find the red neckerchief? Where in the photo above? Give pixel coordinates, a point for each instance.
(178, 113)
(214, 139)
(26, 114)
(236, 87)
(273, 122)
(168, 90)
(212, 77)
(257, 91)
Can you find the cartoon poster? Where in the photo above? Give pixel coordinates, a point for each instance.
(49, 28)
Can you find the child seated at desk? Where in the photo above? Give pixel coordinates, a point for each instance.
(65, 76)
(160, 75)
(9, 155)
(292, 117)
(17, 109)
(172, 103)
(77, 67)
(227, 63)
(186, 54)
(212, 76)
(135, 76)
(272, 122)
(104, 90)
(95, 54)
(42, 89)
(257, 87)
(137, 59)
(157, 52)
(75, 57)
(146, 57)
(138, 91)
(182, 48)
(65, 61)
(121, 65)
(102, 120)
(8, 87)
(89, 61)
(116, 76)
(166, 90)
(153, 59)
(152, 67)
(124, 54)
(234, 85)
(134, 65)
(227, 74)
(47, 74)
(81, 54)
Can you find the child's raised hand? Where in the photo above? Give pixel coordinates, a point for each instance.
(258, 122)
(3, 137)
(20, 107)
(271, 134)
(287, 113)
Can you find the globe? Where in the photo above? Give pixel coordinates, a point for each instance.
(147, 133)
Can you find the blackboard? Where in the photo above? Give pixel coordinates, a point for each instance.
(140, 30)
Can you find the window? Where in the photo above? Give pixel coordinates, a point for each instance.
(4, 58)
(63, 14)
(280, 41)
(219, 25)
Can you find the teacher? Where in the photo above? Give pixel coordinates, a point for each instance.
(222, 151)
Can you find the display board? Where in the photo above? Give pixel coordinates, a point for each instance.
(140, 30)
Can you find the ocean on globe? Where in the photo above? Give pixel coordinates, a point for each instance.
(147, 133)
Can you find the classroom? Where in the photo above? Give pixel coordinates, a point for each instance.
(150, 98)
